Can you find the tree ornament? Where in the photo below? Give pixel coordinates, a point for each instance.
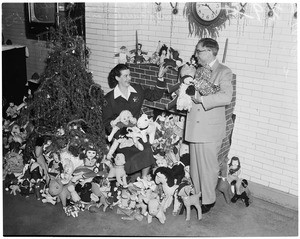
(158, 6)
(271, 10)
(174, 8)
(295, 13)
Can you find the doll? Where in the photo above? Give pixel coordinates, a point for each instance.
(123, 55)
(12, 111)
(118, 170)
(90, 158)
(125, 119)
(234, 170)
(163, 52)
(55, 165)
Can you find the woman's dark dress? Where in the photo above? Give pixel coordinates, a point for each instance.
(135, 159)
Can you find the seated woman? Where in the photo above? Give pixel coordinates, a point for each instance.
(127, 96)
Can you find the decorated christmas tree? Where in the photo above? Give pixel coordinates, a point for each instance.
(68, 99)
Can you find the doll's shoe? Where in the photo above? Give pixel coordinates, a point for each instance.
(206, 207)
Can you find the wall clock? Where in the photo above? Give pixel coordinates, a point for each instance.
(206, 19)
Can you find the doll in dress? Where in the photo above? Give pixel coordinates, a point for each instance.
(234, 170)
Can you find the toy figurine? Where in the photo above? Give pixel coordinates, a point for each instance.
(242, 192)
(125, 119)
(91, 157)
(223, 185)
(123, 55)
(163, 52)
(189, 199)
(12, 111)
(118, 170)
(234, 171)
(164, 176)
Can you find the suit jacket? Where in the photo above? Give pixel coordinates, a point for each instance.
(206, 122)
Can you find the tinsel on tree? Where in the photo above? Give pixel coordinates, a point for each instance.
(67, 95)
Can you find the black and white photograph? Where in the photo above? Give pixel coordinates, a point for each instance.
(149, 119)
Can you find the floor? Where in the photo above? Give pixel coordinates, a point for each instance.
(27, 216)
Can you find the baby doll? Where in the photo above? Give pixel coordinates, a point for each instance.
(118, 170)
(125, 119)
(234, 170)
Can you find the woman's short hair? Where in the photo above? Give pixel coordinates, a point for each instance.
(116, 71)
(211, 44)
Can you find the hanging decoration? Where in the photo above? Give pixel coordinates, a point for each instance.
(271, 9)
(206, 19)
(174, 8)
(158, 6)
(242, 10)
(295, 13)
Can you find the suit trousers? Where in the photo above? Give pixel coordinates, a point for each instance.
(204, 169)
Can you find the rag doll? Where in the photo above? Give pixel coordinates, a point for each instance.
(125, 119)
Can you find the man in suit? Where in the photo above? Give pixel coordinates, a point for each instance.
(206, 124)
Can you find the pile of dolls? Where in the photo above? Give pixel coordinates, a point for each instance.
(66, 169)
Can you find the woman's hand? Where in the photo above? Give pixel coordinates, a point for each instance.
(162, 71)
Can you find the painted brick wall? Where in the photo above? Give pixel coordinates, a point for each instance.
(13, 28)
(261, 52)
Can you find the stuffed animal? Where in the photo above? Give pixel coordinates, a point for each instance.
(242, 192)
(118, 170)
(14, 189)
(98, 188)
(147, 127)
(223, 185)
(135, 134)
(190, 199)
(125, 119)
(85, 192)
(164, 176)
(56, 188)
(156, 209)
(12, 111)
(47, 198)
(182, 100)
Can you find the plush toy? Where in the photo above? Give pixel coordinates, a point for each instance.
(123, 55)
(147, 127)
(190, 199)
(56, 188)
(156, 209)
(135, 134)
(118, 170)
(223, 185)
(12, 111)
(13, 163)
(86, 193)
(47, 198)
(182, 100)
(174, 60)
(164, 176)
(125, 119)
(69, 163)
(9, 180)
(99, 189)
(242, 192)
(14, 189)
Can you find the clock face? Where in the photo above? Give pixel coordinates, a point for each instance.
(208, 11)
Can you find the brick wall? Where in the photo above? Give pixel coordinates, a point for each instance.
(261, 52)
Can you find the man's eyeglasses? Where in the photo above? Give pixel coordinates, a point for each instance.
(199, 51)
